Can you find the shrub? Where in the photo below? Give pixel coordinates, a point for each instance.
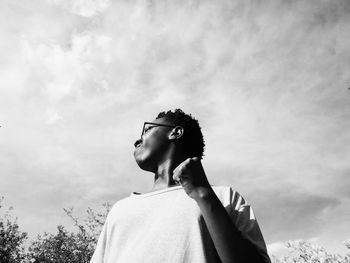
(302, 251)
(70, 247)
(12, 249)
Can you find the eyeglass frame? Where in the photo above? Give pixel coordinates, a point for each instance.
(156, 124)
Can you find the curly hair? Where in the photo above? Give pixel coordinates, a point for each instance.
(192, 138)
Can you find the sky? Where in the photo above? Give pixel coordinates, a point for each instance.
(267, 80)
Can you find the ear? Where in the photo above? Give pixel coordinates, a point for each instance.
(176, 133)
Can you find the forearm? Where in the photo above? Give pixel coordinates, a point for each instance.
(231, 246)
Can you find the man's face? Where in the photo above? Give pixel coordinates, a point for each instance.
(151, 148)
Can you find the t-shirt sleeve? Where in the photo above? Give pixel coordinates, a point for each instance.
(242, 215)
(99, 253)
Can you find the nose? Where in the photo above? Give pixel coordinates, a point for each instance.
(139, 141)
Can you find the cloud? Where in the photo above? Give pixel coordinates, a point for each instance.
(267, 82)
(83, 8)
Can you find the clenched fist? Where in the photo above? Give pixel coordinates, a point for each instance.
(190, 174)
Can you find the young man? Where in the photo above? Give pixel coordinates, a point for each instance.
(183, 219)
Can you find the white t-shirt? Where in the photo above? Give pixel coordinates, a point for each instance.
(166, 226)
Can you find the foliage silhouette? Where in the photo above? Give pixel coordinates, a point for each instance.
(74, 247)
(12, 240)
(302, 251)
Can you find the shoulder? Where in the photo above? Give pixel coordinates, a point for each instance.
(120, 204)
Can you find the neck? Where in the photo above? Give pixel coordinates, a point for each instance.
(163, 177)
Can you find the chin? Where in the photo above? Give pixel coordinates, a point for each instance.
(144, 164)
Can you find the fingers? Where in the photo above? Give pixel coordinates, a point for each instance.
(184, 170)
(177, 175)
(179, 181)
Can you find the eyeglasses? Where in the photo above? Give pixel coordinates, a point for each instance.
(148, 125)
